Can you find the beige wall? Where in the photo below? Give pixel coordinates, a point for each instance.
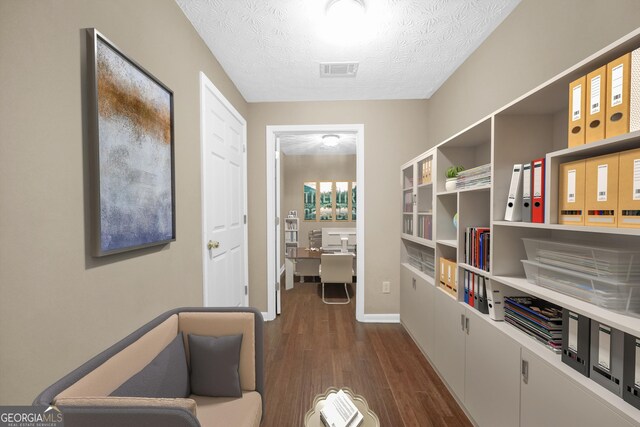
(58, 305)
(300, 169)
(393, 132)
(538, 40)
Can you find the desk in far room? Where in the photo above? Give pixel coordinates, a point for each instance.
(303, 262)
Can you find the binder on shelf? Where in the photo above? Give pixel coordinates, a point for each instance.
(595, 105)
(538, 191)
(634, 99)
(449, 276)
(571, 181)
(607, 351)
(466, 286)
(631, 370)
(482, 304)
(629, 189)
(526, 192)
(495, 295)
(452, 277)
(601, 191)
(620, 74)
(513, 211)
(575, 341)
(476, 291)
(577, 97)
(472, 290)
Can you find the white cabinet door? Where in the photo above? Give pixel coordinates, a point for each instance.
(548, 397)
(424, 328)
(416, 308)
(492, 374)
(407, 300)
(449, 341)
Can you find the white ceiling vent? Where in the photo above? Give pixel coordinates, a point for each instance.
(338, 69)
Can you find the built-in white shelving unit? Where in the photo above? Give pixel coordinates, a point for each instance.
(456, 337)
(291, 232)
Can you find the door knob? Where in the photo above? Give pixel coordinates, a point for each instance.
(213, 245)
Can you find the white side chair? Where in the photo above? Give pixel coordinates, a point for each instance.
(336, 268)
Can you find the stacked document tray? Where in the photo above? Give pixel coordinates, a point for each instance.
(476, 177)
(608, 277)
(538, 318)
(421, 259)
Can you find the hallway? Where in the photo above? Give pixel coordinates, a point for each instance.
(313, 346)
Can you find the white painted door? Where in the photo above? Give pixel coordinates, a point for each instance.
(223, 133)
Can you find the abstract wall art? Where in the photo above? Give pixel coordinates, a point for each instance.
(132, 152)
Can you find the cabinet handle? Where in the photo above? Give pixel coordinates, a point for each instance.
(413, 283)
(525, 371)
(462, 322)
(466, 324)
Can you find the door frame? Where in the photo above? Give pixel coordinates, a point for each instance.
(205, 84)
(271, 133)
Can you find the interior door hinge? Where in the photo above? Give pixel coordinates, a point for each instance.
(245, 218)
(277, 220)
(246, 290)
(244, 148)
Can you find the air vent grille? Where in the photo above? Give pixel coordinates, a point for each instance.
(338, 69)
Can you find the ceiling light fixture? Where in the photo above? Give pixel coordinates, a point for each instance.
(344, 21)
(330, 140)
(349, 10)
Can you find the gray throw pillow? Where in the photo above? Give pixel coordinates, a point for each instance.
(166, 375)
(215, 364)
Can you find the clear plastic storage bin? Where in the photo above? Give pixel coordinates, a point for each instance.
(620, 265)
(623, 297)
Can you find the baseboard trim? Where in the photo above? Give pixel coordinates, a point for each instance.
(381, 318)
(267, 317)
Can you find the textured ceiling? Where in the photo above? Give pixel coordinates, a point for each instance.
(272, 49)
(311, 144)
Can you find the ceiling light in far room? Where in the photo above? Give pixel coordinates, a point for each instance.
(344, 21)
(330, 140)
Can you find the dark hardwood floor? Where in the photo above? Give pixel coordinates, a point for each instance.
(312, 346)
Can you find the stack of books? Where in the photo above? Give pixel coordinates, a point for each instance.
(475, 177)
(339, 411)
(536, 317)
(476, 247)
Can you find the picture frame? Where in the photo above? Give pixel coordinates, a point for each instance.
(326, 201)
(310, 200)
(342, 197)
(132, 152)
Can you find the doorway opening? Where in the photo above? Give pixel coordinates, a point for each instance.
(341, 217)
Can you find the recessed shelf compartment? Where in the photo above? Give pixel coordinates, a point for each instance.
(450, 243)
(626, 323)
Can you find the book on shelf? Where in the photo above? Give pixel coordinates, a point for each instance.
(408, 181)
(537, 318)
(476, 248)
(408, 202)
(475, 177)
(339, 411)
(425, 171)
(425, 226)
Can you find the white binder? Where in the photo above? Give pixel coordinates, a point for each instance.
(634, 97)
(514, 199)
(526, 192)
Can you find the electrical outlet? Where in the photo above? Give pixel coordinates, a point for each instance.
(386, 287)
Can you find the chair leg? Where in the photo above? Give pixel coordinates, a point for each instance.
(336, 302)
